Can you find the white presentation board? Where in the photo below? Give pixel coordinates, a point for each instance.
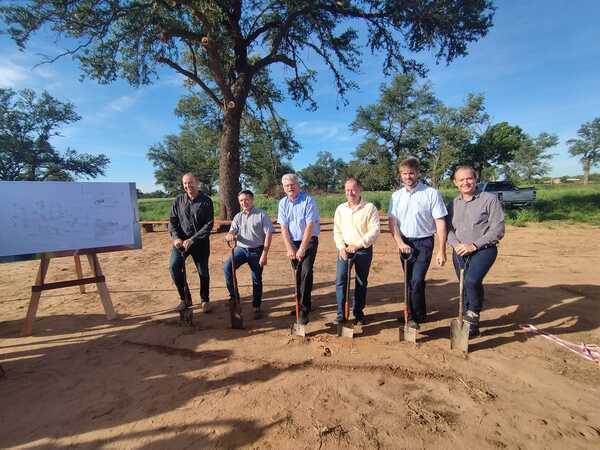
(62, 217)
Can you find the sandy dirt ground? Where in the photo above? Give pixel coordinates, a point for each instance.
(144, 382)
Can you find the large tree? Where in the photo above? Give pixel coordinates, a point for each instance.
(373, 165)
(266, 148)
(27, 124)
(587, 146)
(223, 46)
(447, 133)
(530, 160)
(325, 174)
(396, 120)
(495, 147)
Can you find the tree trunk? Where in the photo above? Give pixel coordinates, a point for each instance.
(229, 164)
(586, 170)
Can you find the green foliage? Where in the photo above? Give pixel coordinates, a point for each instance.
(495, 147)
(194, 150)
(325, 175)
(529, 161)
(570, 203)
(27, 122)
(587, 146)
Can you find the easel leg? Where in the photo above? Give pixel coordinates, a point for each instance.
(102, 289)
(79, 273)
(35, 297)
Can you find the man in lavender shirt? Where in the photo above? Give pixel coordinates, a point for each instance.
(298, 216)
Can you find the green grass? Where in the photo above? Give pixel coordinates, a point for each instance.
(570, 203)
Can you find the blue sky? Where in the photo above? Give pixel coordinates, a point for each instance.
(539, 68)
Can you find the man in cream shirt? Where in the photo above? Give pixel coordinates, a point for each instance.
(355, 228)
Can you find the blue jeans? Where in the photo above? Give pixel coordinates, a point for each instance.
(362, 264)
(417, 269)
(200, 253)
(479, 265)
(252, 257)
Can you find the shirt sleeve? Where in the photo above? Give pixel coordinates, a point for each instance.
(174, 225)
(281, 219)
(438, 208)
(267, 224)
(338, 236)
(452, 239)
(235, 224)
(372, 229)
(312, 211)
(495, 231)
(209, 216)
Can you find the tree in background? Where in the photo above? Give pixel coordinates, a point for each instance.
(395, 121)
(495, 147)
(325, 174)
(223, 47)
(587, 146)
(194, 150)
(530, 159)
(445, 135)
(373, 165)
(27, 123)
(266, 149)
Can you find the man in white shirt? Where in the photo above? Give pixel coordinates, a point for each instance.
(355, 229)
(417, 212)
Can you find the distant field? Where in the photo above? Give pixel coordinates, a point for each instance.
(572, 203)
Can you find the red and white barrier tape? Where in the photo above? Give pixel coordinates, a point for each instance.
(590, 352)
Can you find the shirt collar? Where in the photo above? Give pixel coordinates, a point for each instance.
(475, 196)
(360, 205)
(420, 187)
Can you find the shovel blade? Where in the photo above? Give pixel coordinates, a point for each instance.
(459, 335)
(410, 334)
(235, 314)
(298, 329)
(346, 330)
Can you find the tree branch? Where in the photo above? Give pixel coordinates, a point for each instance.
(192, 77)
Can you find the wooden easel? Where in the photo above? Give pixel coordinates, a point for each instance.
(40, 285)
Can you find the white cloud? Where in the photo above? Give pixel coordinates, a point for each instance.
(338, 132)
(122, 103)
(12, 75)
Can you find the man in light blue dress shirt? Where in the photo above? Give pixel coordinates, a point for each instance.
(417, 212)
(298, 215)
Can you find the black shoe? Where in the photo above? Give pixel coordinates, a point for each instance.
(257, 313)
(413, 324)
(338, 321)
(304, 319)
(183, 305)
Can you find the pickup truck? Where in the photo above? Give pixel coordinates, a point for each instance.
(508, 193)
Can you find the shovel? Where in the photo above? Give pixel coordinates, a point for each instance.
(410, 334)
(346, 327)
(235, 308)
(459, 329)
(297, 328)
(186, 315)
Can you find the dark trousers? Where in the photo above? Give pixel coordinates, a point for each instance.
(304, 274)
(362, 264)
(479, 264)
(252, 257)
(417, 269)
(200, 253)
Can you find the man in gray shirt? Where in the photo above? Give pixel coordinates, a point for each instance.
(475, 226)
(253, 230)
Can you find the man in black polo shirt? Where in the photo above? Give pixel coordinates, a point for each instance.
(190, 224)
